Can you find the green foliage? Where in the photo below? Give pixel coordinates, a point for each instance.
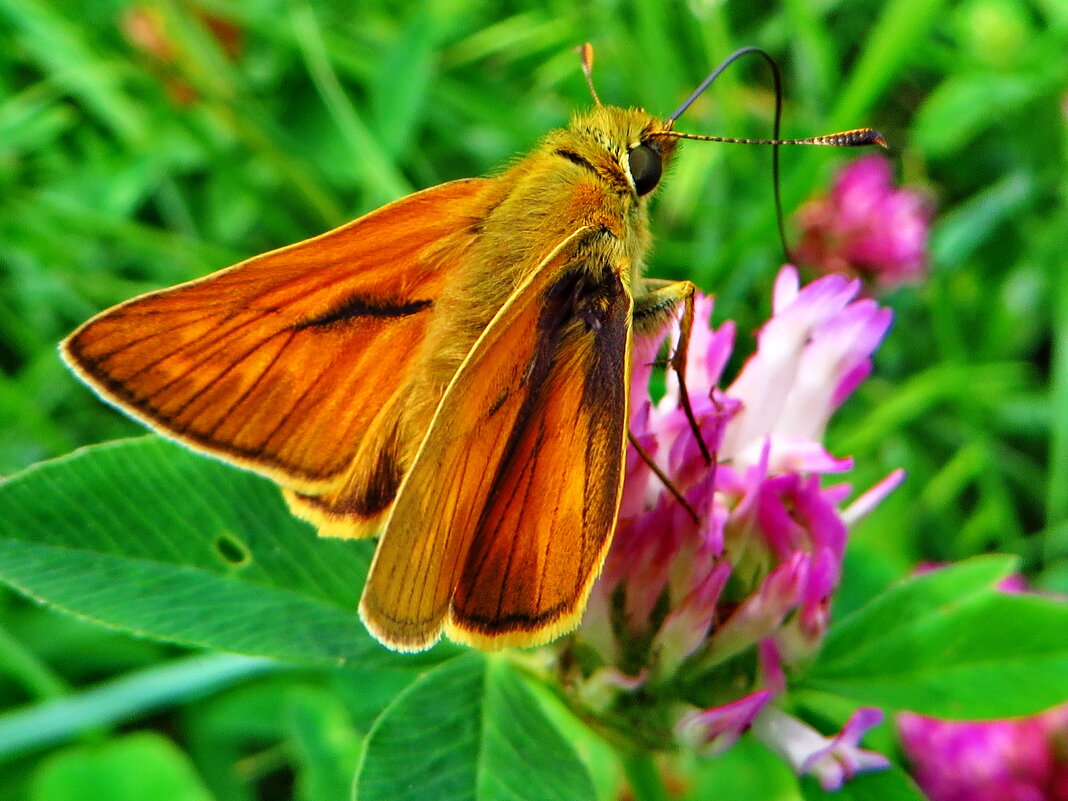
(948, 644)
(124, 169)
(478, 733)
(944, 643)
(103, 771)
(889, 785)
(209, 556)
(747, 772)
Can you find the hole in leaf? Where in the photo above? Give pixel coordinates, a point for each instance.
(232, 550)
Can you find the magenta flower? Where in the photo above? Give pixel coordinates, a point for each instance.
(997, 760)
(866, 227)
(713, 731)
(831, 760)
(738, 580)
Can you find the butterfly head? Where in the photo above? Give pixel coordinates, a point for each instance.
(624, 146)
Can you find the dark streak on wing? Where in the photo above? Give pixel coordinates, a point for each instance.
(381, 490)
(385, 479)
(364, 306)
(603, 375)
(497, 404)
(133, 311)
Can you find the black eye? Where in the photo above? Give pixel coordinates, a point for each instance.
(645, 168)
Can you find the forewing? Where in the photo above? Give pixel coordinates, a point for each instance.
(504, 519)
(281, 363)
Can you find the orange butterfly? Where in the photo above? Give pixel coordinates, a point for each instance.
(451, 370)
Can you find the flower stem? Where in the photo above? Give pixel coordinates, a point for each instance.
(58, 719)
(644, 777)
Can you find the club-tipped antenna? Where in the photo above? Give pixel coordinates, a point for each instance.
(857, 137)
(585, 51)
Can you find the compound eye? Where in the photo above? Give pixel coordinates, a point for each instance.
(645, 168)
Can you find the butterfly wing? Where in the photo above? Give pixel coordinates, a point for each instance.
(504, 519)
(282, 363)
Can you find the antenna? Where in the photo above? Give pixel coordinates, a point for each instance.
(585, 51)
(857, 137)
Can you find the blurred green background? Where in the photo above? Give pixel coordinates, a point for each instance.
(143, 144)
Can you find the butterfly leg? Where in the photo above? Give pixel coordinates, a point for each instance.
(654, 308)
(646, 457)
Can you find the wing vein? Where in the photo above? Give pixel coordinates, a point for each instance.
(263, 374)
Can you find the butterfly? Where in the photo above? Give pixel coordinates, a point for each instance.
(450, 371)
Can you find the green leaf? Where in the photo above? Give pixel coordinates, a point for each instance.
(148, 537)
(367, 692)
(983, 654)
(909, 601)
(748, 771)
(140, 767)
(325, 743)
(251, 733)
(892, 784)
(601, 760)
(469, 729)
